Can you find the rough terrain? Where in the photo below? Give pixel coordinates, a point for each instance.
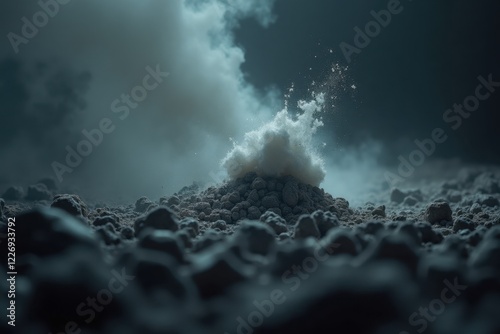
(259, 255)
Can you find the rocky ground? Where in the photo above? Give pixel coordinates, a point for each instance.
(259, 255)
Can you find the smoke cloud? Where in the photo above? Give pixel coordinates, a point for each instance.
(281, 147)
(66, 79)
(181, 130)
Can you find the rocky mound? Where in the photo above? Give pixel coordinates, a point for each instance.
(252, 196)
(316, 265)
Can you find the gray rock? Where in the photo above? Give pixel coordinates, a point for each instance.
(202, 216)
(253, 213)
(437, 212)
(341, 241)
(215, 275)
(284, 236)
(489, 201)
(463, 224)
(101, 221)
(340, 207)
(255, 237)
(306, 227)
(226, 205)
(486, 255)
(174, 200)
(226, 216)
(203, 207)
(191, 230)
(161, 218)
(270, 202)
(395, 247)
(234, 197)
(72, 204)
(242, 189)
(325, 221)
(397, 195)
(158, 275)
(475, 208)
(259, 183)
(185, 238)
(286, 210)
(253, 197)
(235, 216)
(143, 204)
(210, 238)
(411, 231)
(379, 211)
(277, 223)
(214, 216)
(104, 213)
(245, 204)
(275, 210)
(47, 231)
(163, 241)
(373, 227)
(127, 232)
(427, 233)
(290, 193)
(220, 224)
(107, 236)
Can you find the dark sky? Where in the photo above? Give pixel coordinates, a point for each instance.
(424, 61)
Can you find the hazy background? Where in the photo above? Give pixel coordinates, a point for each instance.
(426, 60)
(230, 64)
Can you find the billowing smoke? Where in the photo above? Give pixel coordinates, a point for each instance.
(281, 147)
(77, 72)
(158, 143)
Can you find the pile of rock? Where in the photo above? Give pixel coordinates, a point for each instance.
(253, 196)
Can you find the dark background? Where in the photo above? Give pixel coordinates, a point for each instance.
(424, 61)
(427, 59)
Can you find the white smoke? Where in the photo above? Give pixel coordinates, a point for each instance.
(183, 128)
(283, 146)
(181, 131)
